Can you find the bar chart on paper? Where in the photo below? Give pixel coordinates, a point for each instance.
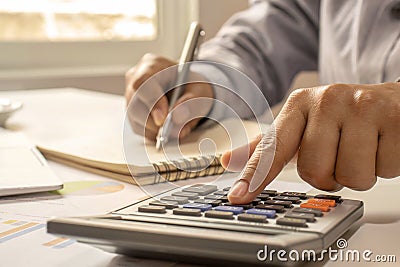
(14, 229)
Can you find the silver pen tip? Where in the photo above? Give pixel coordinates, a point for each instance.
(158, 143)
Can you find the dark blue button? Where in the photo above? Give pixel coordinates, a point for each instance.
(268, 213)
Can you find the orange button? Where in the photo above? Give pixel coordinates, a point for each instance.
(327, 202)
(315, 206)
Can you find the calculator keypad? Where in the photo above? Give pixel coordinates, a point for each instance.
(292, 209)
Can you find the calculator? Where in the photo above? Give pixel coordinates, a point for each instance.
(197, 224)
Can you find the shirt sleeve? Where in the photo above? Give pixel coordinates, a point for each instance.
(270, 43)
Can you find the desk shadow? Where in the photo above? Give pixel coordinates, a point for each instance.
(122, 260)
(33, 197)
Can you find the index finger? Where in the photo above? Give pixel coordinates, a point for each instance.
(276, 148)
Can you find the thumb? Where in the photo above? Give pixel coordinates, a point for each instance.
(271, 154)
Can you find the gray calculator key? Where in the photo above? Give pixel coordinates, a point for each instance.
(187, 212)
(189, 195)
(309, 217)
(213, 203)
(294, 200)
(252, 218)
(270, 192)
(256, 201)
(316, 212)
(294, 194)
(292, 222)
(180, 200)
(219, 214)
(201, 189)
(213, 197)
(227, 188)
(263, 197)
(286, 204)
(152, 209)
(166, 204)
(221, 193)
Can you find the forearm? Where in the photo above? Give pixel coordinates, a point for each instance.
(269, 43)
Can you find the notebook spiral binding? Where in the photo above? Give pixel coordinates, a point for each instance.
(169, 171)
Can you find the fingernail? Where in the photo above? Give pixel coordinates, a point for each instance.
(158, 116)
(239, 189)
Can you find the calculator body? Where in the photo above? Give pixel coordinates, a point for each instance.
(209, 240)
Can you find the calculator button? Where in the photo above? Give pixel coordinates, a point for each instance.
(227, 188)
(286, 204)
(269, 213)
(213, 203)
(294, 194)
(317, 213)
(166, 204)
(263, 197)
(252, 218)
(235, 210)
(219, 214)
(224, 199)
(326, 202)
(200, 189)
(272, 193)
(315, 206)
(180, 200)
(256, 201)
(292, 222)
(221, 193)
(213, 197)
(309, 217)
(187, 212)
(244, 206)
(202, 207)
(338, 199)
(189, 195)
(277, 208)
(294, 200)
(152, 209)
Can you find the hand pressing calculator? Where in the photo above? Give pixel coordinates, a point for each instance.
(197, 224)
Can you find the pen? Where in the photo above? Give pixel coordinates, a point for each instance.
(192, 40)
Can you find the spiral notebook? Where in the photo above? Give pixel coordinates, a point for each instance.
(197, 156)
(86, 129)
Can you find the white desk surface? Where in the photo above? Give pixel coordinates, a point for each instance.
(44, 114)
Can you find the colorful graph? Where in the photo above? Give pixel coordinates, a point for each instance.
(60, 242)
(89, 188)
(18, 228)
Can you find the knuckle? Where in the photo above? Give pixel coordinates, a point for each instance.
(319, 179)
(129, 73)
(150, 57)
(387, 172)
(358, 183)
(366, 102)
(298, 96)
(329, 96)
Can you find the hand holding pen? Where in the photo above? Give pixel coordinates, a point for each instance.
(148, 81)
